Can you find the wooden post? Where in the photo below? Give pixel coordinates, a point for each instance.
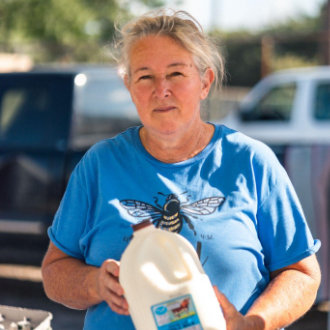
(325, 36)
(267, 47)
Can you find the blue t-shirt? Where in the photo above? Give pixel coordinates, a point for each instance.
(233, 201)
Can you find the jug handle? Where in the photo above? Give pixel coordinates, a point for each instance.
(176, 261)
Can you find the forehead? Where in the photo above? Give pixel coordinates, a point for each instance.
(158, 51)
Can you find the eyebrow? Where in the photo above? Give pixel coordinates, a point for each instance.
(175, 64)
(178, 64)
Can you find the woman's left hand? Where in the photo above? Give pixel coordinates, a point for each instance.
(234, 319)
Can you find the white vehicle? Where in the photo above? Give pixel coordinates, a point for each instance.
(290, 105)
(290, 111)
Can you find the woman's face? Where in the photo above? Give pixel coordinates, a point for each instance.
(165, 85)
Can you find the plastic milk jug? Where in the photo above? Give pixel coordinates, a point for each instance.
(165, 285)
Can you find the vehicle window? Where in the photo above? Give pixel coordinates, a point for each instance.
(275, 105)
(31, 112)
(11, 103)
(322, 101)
(106, 97)
(103, 108)
(22, 111)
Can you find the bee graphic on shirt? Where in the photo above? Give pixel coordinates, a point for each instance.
(173, 213)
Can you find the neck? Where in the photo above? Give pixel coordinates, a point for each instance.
(173, 149)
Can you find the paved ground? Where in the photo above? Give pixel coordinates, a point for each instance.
(30, 295)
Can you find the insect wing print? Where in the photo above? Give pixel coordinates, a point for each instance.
(173, 213)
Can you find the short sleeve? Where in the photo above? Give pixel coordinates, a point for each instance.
(70, 219)
(282, 227)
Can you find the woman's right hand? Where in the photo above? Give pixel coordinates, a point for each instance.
(109, 288)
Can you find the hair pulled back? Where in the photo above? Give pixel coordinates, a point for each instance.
(181, 27)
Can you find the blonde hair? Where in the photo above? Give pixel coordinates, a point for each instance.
(181, 27)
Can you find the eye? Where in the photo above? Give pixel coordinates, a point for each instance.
(176, 74)
(145, 77)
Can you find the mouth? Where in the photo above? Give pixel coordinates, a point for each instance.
(164, 109)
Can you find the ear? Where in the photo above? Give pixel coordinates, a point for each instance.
(207, 80)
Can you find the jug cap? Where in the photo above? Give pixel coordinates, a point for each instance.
(140, 225)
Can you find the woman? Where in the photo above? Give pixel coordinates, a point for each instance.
(244, 219)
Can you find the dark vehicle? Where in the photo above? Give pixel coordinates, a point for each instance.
(48, 119)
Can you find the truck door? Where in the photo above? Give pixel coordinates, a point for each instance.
(35, 112)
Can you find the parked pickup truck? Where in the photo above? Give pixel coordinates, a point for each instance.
(290, 111)
(48, 119)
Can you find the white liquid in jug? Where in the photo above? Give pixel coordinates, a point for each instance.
(165, 285)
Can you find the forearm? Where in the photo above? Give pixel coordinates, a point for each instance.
(288, 296)
(71, 282)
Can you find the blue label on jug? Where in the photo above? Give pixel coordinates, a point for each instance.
(176, 314)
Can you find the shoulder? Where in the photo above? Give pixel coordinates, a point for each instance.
(251, 157)
(254, 159)
(241, 144)
(108, 151)
(118, 143)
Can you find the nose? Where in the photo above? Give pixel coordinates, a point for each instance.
(161, 88)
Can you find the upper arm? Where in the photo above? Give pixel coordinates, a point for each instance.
(308, 266)
(52, 255)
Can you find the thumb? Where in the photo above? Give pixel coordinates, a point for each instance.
(228, 308)
(112, 267)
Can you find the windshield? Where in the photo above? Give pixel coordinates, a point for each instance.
(276, 104)
(34, 110)
(103, 108)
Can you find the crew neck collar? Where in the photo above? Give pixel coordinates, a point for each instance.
(186, 162)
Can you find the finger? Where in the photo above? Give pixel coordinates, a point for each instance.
(118, 309)
(110, 277)
(113, 291)
(221, 297)
(110, 294)
(112, 284)
(117, 303)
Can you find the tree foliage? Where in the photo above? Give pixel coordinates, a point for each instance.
(60, 28)
(295, 42)
(80, 30)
